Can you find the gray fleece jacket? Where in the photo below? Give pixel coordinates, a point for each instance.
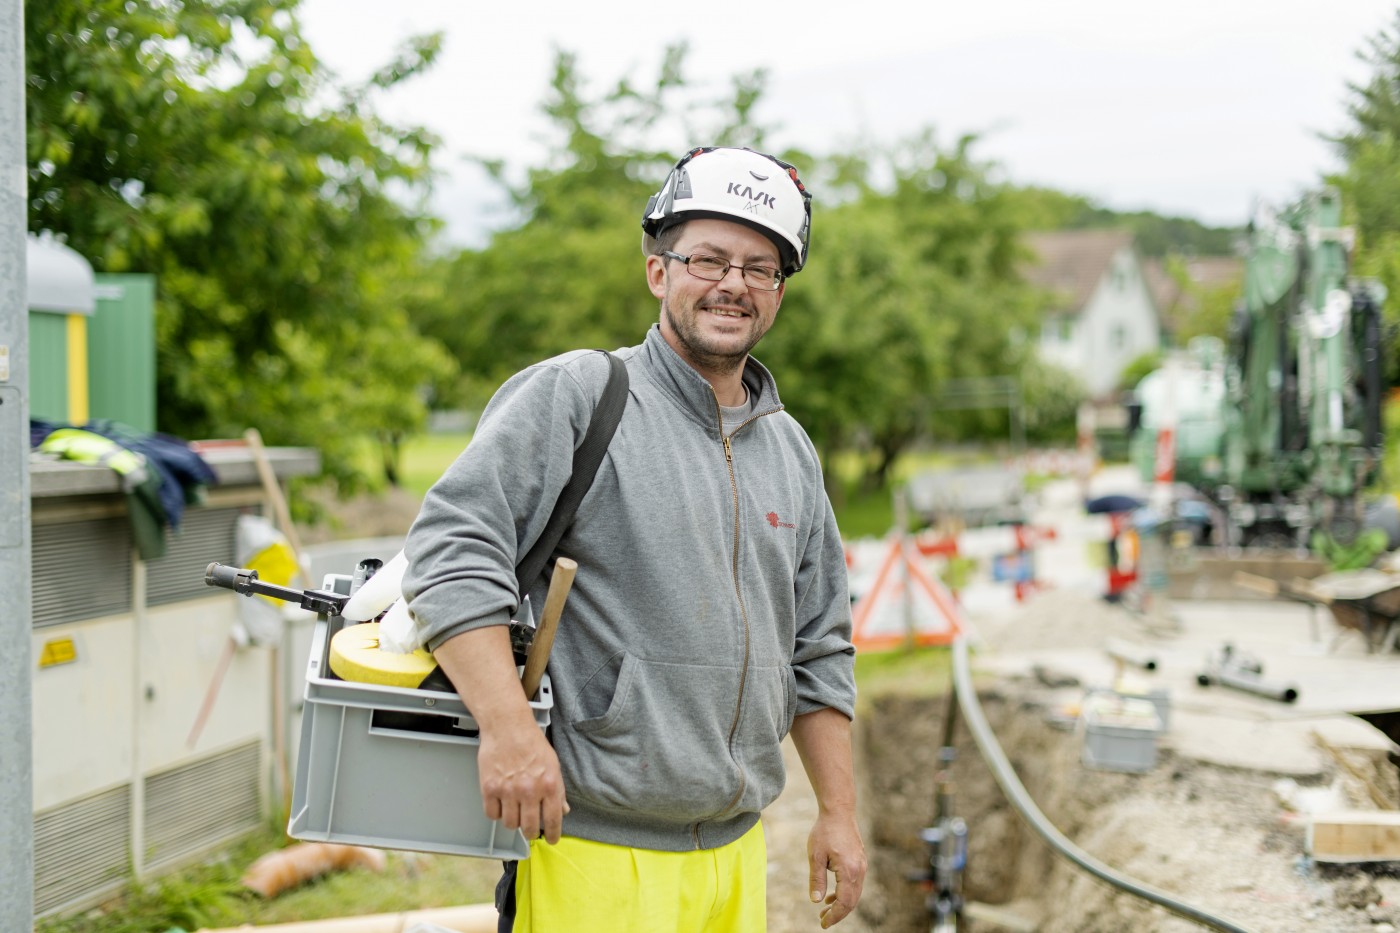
(710, 605)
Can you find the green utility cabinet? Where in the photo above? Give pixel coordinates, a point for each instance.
(122, 350)
(118, 341)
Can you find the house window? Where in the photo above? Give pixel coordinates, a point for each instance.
(1118, 337)
(1057, 329)
(1122, 274)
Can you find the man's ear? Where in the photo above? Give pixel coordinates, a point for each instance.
(656, 275)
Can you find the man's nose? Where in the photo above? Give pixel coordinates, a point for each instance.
(738, 273)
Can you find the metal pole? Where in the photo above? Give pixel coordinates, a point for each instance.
(16, 758)
(901, 529)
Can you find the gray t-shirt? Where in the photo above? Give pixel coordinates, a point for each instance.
(735, 416)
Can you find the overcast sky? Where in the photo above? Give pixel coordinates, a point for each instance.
(1194, 107)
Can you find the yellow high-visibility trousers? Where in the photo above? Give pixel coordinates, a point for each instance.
(580, 886)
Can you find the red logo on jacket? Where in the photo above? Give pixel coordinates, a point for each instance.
(773, 520)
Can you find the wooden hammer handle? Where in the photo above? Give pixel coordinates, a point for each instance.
(560, 582)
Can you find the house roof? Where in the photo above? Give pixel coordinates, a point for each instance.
(1071, 262)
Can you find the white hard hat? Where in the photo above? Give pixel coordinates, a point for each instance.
(741, 185)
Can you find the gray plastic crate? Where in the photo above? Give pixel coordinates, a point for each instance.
(1120, 734)
(1159, 697)
(393, 767)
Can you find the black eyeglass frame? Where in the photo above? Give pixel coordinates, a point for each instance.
(778, 276)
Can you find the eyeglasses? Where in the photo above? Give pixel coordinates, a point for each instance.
(714, 269)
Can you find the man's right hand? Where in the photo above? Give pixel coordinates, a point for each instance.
(520, 781)
(521, 784)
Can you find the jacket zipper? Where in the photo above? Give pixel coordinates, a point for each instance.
(743, 611)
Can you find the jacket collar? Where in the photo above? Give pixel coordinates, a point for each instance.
(692, 391)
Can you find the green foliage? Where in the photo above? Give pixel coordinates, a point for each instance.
(428, 456)
(905, 273)
(191, 899)
(919, 672)
(864, 513)
(203, 142)
(1354, 555)
(958, 572)
(569, 274)
(1137, 368)
(1390, 465)
(903, 284)
(1051, 396)
(1370, 184)
(1208, 307)
(1154, 235)
(209, 894)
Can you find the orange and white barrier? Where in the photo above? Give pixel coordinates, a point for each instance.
(902, 601)
(905, 605)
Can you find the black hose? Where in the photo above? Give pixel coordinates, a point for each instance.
(950, 718)
(1016, 793)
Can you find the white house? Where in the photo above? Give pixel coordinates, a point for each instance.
(1100, 314)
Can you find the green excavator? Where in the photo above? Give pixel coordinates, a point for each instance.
(1283, 430)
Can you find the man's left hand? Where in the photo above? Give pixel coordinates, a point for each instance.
(834, 846)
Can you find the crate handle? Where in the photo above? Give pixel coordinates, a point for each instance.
(411, 736)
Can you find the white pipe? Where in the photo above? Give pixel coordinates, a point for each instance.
(470, 918)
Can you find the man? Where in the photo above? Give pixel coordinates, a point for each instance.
(709, 615)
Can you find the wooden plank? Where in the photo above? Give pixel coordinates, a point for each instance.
(999, 917)
(1355, 836)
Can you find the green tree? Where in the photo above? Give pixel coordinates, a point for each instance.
(1370, 182)
(1154, 235)
(203, 142)
(1051, 396)
(568, 274)
(1138, 367)
(1207, 307)
(913, 280)
(916, 283)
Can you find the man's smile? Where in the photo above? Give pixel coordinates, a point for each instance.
(726, 311)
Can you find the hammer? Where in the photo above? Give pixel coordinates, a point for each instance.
(560, 582)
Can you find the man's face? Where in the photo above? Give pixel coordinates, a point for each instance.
(714, 325)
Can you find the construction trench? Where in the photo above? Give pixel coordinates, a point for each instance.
(1218, 819)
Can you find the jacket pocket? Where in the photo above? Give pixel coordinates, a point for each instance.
(769, 705)
(661, 748)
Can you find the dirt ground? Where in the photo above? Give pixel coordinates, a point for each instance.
(1216, 838)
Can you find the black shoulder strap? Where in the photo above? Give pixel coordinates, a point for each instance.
(587, 458)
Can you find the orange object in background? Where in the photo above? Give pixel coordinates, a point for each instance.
(1123, 549)
(286, 868)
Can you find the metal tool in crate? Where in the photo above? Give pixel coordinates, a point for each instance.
(536, 643)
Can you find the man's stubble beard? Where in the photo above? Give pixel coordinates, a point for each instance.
(703, 354)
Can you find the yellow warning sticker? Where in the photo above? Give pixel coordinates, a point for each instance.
(276, 564)
(58, 651)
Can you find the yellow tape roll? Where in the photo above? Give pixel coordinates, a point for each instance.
(355, 655)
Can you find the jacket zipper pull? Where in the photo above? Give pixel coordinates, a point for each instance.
(728, 454)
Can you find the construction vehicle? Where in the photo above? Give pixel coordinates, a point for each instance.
(1282, 430)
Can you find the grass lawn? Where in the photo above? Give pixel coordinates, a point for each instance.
(210, 895)
(426, 457)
